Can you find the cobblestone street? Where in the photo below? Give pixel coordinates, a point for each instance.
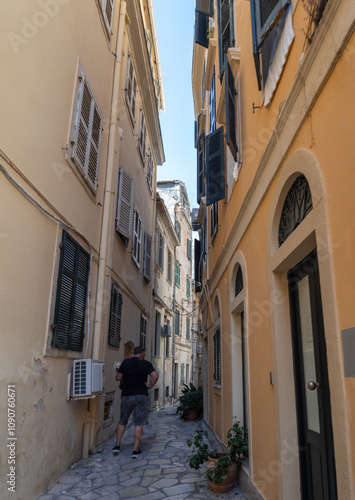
(160, 472)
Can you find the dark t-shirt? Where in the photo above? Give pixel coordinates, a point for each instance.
(135, 374)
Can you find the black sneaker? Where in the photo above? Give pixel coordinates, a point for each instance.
(136, 453)
(116, 450)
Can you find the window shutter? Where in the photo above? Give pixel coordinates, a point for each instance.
(231, 132)
(188, 328)
(198, 266)
(114, 334)
(131, 88)
(215, 188)
(87, 133)
(201, 167)
(137, 237)
(264, 15)
(161, 251)
(69, 317)
(217, 355)
(177, 322)
(142, 135)
(147, 260)
(189, 253)
(178, 230)
(107, 11)
(195, 134)
(201, 28)
(124, 203)
(188, 287)
(225, 30)
(205, 6)
(143, 332)
(177, 275)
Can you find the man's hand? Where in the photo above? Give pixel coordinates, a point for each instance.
(154, 379)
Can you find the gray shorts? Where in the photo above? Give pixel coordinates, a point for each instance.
(139, 405)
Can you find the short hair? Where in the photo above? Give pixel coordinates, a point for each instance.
(138, 350)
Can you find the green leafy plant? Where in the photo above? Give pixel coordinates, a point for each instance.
(237, 452)
(190, 399)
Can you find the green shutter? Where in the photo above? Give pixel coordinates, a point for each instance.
(198, 266)
(225, 30)
(188, 287)
(201, 28)
(69, 316)
(188, 328)
(114, 333)
(205, 6)
(201, 167)
(215, 184)
(177, 322)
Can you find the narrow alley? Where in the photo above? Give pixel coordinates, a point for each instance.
(161, 471)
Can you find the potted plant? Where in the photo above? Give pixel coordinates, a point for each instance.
(222, 467)
(190, 402)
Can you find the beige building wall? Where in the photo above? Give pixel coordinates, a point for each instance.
(46, 47)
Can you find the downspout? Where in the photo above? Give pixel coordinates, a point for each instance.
(174, 326)
(89, 437)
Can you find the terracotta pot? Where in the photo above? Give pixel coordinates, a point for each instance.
(226, 484)
(192, 415)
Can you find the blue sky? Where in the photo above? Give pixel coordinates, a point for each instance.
(175, 26)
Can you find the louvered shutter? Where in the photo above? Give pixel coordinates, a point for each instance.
(143, 332)
(142, 135)
(201, 167)
(231, 131)
(225, 30)
(107, 10)
(201, 28)
(87, 133)
(264, 15)
(69, 317)
(124, 203)
(147, 261)
(217, 355)
(114, 334)
(215, 188)
(198, 266)
(189, 253)
(137, 237)
(205, 6)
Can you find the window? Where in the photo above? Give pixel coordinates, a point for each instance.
(147, 256)
(212, 103)
(198, 266)
(214, 220)
(143, 332)
(167, 347)
(238, 282)
(217, 356)
(225, 30)
(124, 203)
(156, 394)
(69, 315)
(157, 334)
(230, 93)
(188, 287)
(142, 134)
(161, 244)
(107, 14)
(188, 329)
(170, 267)
(131, 90)
(177, 322)
(264, 16)
(177, 275)
(150, 169)
(189, 249)
(86, 138)
(178, 230)
(182, 373)
(114, 333)
(137, 235)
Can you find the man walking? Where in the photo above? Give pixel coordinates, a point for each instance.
(133, 372)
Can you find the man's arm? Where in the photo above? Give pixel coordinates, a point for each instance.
(154, 377)
(119, 376)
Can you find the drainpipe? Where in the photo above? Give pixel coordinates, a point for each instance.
(106, 218)
(173, 332)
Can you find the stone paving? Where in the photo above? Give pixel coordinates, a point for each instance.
(160, 472)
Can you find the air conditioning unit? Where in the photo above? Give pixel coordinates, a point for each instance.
(167, 330)
(199, 349)
(88, 377)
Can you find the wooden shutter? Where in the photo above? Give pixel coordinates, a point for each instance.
(124, 203)
(147, 259)
(188, 287)
(201, 28)
(177, 275)
(107, 12)
(114, 333)
(142, 135)
(201, 167)
(161, 251)
(87, 133)
(205, 6)
(131, 88)
(198, 266)
(177, 322)
(137, 237)
(189, 245)
(264, 15)
(215, 188)
(188, 328)
(225, 30)
(143, 332)
(231, 131)
(69, 316)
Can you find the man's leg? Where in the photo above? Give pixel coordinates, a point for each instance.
(138, 433)
(120, 431)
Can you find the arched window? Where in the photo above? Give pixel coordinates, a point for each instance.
(239, 282)
(298, 204)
